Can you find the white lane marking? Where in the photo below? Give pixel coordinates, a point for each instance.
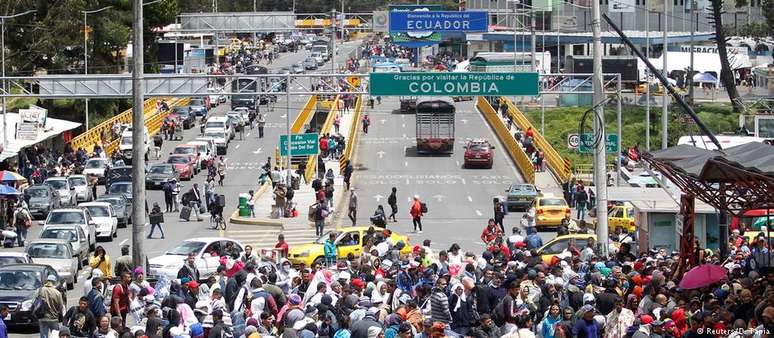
(405, 164)
(380, 153)
(463, 180)
(407, 183)
(257, 151)
(403, 125)
(458, 163)
(122, 243)
(470, 199)
(478, 212)
(237, 146)
(248, 135)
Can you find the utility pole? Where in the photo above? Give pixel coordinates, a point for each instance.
(647, 80)
(690, 68)
(86, 52)
(138, 149)
(665, 97)
(532, 25)
(600, 159)
(333, 44)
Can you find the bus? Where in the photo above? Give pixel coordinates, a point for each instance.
(501, 62)
(435, 126)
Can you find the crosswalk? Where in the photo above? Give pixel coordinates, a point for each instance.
(266, 237)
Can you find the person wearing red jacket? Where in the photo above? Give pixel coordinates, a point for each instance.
(491, 232)
(416, 213)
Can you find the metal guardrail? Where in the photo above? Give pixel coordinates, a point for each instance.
(351, 140)
(511, 147)
(303, 116)
(153, 122)
(561, 167)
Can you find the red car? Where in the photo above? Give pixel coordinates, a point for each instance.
(186, 149)
(184, 164)
(478, 152)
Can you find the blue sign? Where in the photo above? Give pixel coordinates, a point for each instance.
(439, 21)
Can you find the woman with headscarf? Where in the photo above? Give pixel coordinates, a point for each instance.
(285, 273)
(461, 310)
(378, 294)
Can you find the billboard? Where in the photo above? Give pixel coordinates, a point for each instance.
(415, 39)
(439, 21)
(621, 6)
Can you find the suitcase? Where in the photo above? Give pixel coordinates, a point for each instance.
(156, 219)
(9, 242)
(185, 213)
(222, 200)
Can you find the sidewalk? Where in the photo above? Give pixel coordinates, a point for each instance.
(297, 230)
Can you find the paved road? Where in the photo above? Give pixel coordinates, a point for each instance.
(244, 158)
(459, 200)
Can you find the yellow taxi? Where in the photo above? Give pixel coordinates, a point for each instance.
(623, 216)
(348, 240)
(550, 210)
(557, 245)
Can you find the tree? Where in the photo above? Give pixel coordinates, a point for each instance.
(726, 74)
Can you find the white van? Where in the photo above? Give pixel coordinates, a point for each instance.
(125, 145)
(220, 123)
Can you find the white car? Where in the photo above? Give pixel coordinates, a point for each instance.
(75, 235)
(57, 254)
(62, 186)
(220, 122)
(10, 257)
(221, 139)
(79, 217)
(82, 189)
(244, 112)
(106, 222)
(207, 251)
(96, 167)
(216, 96)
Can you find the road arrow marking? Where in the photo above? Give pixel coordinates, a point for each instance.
(380, 153)
(378, 198)
(257, 151)
(464, 121)
(438, 197)
(283, 115)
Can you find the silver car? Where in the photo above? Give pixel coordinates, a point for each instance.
(81, 185)
(58, 254)
(75, 235)
(66, 192)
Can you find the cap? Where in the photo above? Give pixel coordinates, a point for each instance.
(51, 278)
(64, 332)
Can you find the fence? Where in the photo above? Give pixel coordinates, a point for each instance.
(561, 168)
(511, 147)
(94, 136)
(351, 140)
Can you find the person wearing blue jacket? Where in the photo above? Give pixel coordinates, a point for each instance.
(330, 250)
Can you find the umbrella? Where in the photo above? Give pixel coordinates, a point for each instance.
(7, 190)
(6, 175)
(704, 77)
(702, 275)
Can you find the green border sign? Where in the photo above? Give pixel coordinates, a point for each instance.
(454, 84)
(300, 145)
(611, 143)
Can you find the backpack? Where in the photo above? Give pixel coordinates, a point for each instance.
(498, 313)
(423, 207)
(39, 307)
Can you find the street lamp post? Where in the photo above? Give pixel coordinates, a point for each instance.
(5, 89)
(86, 52)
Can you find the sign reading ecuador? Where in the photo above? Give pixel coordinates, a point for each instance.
(453, 84)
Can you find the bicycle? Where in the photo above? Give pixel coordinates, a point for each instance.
(217, 222)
